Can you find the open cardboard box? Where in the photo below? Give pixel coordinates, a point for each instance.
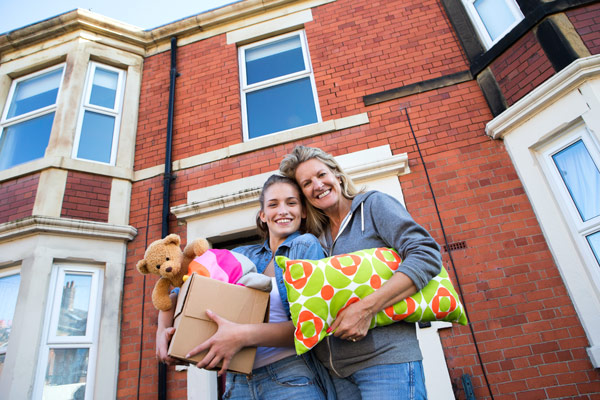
(233, 302)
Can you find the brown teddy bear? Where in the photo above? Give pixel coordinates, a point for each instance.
(164, 258)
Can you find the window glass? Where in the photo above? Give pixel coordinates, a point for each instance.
(66, 374)
(495, 15)
(594, 241)
(35, 93)
(74, 305)
(581, 176)
(9, 290)
(27, 124)
(277, 85)
(104, 88)
(274, 59)
(96, 140)
(26, 141)
(281, 107)
(98, 126)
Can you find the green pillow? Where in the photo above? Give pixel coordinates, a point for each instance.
(318, 289)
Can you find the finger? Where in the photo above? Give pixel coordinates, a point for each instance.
(224, 367)
(198, 349)
(208, 358)
(169, 332)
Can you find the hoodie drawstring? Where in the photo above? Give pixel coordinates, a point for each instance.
(362, 218)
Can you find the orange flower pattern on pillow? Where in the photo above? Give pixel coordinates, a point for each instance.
(319, 290)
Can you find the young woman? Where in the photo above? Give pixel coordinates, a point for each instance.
(278, 372)
(385, 362)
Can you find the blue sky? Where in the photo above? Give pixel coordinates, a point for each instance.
(143, 14)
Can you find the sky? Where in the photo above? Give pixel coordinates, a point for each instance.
(145, 14)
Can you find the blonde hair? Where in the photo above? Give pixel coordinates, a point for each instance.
(263, 229)
(316, 220)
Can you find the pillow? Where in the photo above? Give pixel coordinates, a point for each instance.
(318, 290)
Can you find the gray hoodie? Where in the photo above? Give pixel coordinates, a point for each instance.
(378, 220)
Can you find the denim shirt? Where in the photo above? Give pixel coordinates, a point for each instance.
(296, 246)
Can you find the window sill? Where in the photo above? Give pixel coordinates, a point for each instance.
(67, 163)
(274, 139)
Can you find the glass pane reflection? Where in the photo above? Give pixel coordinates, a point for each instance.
(35, 93)
(274, 59)
(74, 306)
(582, 178)
(95, 142)
(594, 241)
(495, 15)
(25, 141)
(280, 107)
(104, 88)
(66, 374)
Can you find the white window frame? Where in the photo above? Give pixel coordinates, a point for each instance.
(89, 341)
(4, 273)
(579, 228)
(480, 26)
(6, 122)
(306, 73)
(115, 112)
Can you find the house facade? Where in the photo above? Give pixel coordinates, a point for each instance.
(481, 117)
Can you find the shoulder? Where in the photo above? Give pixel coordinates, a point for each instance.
(248, 250)
(375, 198)
(305, 246)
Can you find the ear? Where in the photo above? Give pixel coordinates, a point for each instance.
(303, 215)
(142, 267)
(173, 238)
(261, 215)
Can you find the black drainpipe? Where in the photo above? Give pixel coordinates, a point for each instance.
(168, 177)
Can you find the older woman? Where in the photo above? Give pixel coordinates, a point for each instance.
(385, 362)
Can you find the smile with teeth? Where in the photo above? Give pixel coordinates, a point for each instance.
(325, 193)
(284, 221)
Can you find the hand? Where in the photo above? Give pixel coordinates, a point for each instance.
(222, 346)
(163, 338)
(352, 322)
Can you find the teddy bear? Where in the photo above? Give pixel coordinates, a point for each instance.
(164, 258)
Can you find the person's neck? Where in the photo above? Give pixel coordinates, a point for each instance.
(275, 242)
(337, 215)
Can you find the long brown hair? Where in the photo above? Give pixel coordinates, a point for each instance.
(263, 229)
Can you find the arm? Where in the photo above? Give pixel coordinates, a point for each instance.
(231, 337)
(164, 332)
(421, 262)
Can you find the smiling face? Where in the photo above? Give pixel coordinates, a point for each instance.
(282, 212)
(320, 185)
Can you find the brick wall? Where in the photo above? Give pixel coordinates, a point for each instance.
(86, 197)
(521, 68)
(586, 21)
(529, 337)
(17, 197)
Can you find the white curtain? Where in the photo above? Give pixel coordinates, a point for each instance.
(582, 177)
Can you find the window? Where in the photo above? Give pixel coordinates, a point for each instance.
(277, 83)
(9, 290)
(28, 116)
(68, 353)
(99, 119)
(493, 18)
(574, 168)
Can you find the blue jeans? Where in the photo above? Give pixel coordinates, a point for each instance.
(290, 378)
(404, 381)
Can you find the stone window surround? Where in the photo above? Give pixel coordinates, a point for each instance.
(566, 100)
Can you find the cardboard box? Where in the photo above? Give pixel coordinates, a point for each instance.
(233, 302)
